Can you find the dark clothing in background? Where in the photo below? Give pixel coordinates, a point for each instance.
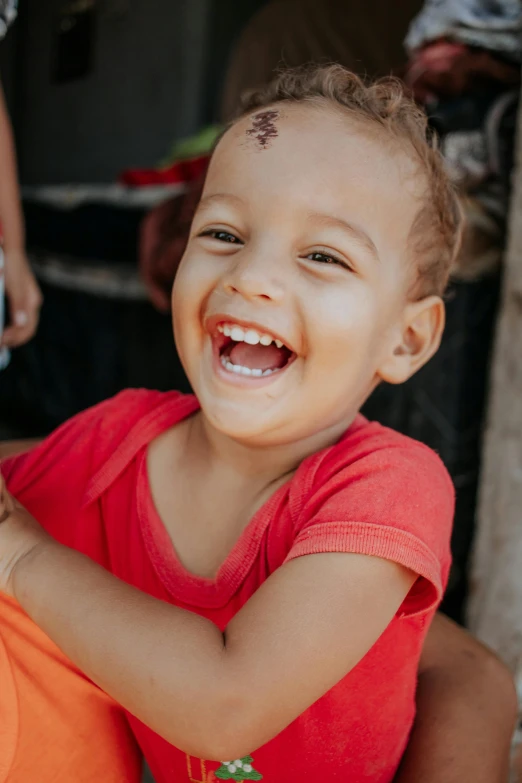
(366, 36)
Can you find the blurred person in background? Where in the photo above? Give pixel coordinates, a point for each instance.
(23, 294)
(464, 67)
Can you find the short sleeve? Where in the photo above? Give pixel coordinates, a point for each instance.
(8, 11)
(395, 502)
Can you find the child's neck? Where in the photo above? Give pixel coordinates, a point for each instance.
(255, 465)
(207, 487)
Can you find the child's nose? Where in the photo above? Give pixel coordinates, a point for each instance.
(256, 276)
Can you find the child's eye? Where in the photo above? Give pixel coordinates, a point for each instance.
(221, 236)
(326, 258)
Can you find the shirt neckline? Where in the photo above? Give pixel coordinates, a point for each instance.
(182, 584)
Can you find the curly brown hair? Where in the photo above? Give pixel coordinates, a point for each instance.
(436, 231)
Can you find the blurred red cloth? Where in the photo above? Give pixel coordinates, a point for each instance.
(181, 171)
(447, 69)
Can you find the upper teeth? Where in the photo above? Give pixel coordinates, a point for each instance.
(250, 336)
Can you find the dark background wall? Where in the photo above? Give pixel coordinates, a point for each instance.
(158, 67)
(143, 91)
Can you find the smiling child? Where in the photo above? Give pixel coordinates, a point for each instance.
(257, 565)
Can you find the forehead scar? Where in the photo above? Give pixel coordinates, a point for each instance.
(263, 127)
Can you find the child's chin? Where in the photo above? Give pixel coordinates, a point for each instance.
(241, 422)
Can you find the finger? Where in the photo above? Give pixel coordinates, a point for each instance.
(25, 314)
(23, 327)
(17, 335)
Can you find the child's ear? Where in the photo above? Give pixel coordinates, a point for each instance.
(415, 341)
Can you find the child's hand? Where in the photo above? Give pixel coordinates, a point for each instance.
(24, 297)
(20, 534)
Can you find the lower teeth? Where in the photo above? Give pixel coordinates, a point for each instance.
(240, 370)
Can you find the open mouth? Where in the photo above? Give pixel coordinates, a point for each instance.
(247, 351)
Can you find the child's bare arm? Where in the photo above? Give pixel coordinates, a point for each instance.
(214, 695)
(467, 709)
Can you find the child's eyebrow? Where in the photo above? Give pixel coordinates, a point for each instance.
(219, 198)
(356, 232)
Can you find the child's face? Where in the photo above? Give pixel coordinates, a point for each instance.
(301, 236)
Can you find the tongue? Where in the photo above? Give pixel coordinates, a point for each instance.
(258, 357)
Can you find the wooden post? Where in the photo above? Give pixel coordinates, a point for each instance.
(495, 610)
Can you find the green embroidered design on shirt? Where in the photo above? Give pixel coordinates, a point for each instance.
(240, 769)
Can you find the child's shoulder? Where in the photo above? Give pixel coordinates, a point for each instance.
(368, 447)
(376, 479)
(377, 492)
(127, 414)
(131, 405)
(86, 441)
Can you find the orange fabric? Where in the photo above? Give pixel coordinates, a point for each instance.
(55, 725)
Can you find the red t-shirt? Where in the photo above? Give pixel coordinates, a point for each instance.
(375, 492)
